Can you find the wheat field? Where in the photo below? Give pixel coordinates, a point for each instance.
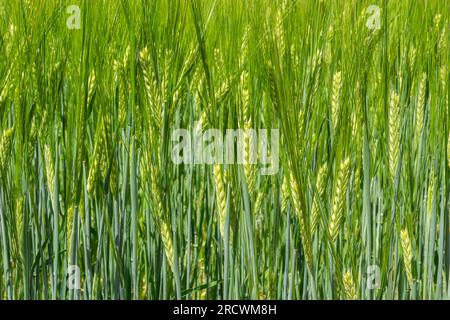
(92, 205)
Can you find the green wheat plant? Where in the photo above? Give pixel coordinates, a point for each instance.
(93, 205)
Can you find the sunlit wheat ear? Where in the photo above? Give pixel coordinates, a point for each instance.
(97, 158)
(304, 228)
(91, 86)
(339, 194)
(394, 132)
(420, 107)
(219, 62)
(285, 195)
(316, 68)
(6, 89)
(412, 59)
(69, 226)
(259, 203)
(49, 170)
(328, 53)
(301, 128)
(320, 187)
(19, 222)
(222, 91)
(279, 34)
(6, 142)
(407, 254)
(220, 196)
(349, 286)
(430, 194)
(166, 237)
(150, 86)
(249, 143)
(442, 42)
(335, 98)
(244, 46)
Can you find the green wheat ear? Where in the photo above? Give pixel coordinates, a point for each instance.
(304, 228)
(320, 187)
(166, 237)
(335, 98)
(394, 132)
(220, 196)
(349, 286)
(19, 222)
(69, 226)
(407, 254)
(49, 169)
(420, 107)
(6, 142)
(339, 199)
(285, 193)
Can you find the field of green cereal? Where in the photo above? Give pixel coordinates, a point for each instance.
(93, 205)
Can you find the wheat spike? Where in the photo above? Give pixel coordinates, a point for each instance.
(285, 193)
(19, 222)
(6, 143)
(69, 229)
(220, 196)
(407, 254)
(420, 107)
(223, 90)
(151, 86)
(430, 194)
(339, 200)
(320, 186)
(349, 286)
(249, 143)
(304, 230)
(91, 87)
(335, 99)
(394, 132)
(279, 34)
(49, 170)
(412, 59)
(166, 237)
(328, 54)
(97, 158)
(6, 89)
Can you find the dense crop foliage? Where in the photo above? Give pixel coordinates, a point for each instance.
(89, 191)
